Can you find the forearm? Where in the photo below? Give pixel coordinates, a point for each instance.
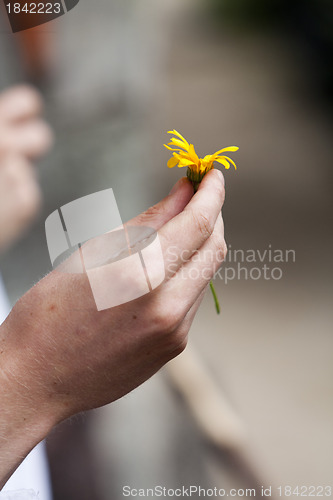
(32, 365)
(19, 433)
(23, 422)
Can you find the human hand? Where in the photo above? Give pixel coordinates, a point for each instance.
(24, 136)
(69, 357)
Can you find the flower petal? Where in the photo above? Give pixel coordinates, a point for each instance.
(231, 161)
(172, 162)
(232, 149)
(185, 163)
(183, 155)
(223, 162)
(177, 142)
(171, 149)
(193, 155)
(174, 132)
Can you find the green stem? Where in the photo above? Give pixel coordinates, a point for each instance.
(216, 300)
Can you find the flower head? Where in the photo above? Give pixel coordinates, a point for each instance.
(184, 155)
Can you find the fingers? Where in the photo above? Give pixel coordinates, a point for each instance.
(178, 298)
(184, 327)
(177, 217)
(31, 138)
(19, 186)
(158, 215)
(191, 228)
(21, 129)
(19, 103)
(20, 197)
(108, 260)
(105, 249)
(192, 278)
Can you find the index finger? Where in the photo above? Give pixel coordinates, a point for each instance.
(19, 103)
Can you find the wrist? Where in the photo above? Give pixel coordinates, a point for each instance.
(25, 417)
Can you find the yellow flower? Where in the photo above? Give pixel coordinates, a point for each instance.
(184, 155)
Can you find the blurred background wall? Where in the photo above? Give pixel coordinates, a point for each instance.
(116, 76)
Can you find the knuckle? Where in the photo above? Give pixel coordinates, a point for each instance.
(221, 253)
(225, 249)
(168, 318)
(152, 211)
(180, 343)
(149, 215)
(221, 249)
(220, 243)
(41, 137)
(30, 96)
(203, 223)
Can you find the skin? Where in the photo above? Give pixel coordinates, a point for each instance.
(60, 356)
(24, 137)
